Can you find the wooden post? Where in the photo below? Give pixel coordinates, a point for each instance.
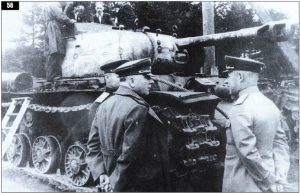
(209, 28)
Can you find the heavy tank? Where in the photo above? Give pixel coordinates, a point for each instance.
(54, 130)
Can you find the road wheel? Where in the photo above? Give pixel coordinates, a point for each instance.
(46, 154)
(19, 152)
(76, 167)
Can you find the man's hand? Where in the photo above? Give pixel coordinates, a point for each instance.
(73, 21)
(275, 183)
(280, 182)
(223, 123)
(279, 188)
(104, 183)
(271, 179)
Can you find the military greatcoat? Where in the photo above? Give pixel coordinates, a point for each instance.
(132, 146)
(55, 18)
(256, 144)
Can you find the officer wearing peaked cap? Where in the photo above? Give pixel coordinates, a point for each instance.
(135, 67)
(110, 66)
(243, 64)
(112, 84)
(134, 149)
(257, 154)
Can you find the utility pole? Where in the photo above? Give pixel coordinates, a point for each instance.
(208, 17)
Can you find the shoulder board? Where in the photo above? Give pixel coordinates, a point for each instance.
(241, 99)
(102, 97)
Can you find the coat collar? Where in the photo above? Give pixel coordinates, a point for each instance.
(122, 90)
(243, 94)
(250, 89)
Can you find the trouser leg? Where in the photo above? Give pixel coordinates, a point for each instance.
(53, 66)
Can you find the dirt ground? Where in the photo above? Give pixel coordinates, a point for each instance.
(14, 181)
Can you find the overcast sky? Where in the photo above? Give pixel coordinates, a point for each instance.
(12, 22)
(290, 9)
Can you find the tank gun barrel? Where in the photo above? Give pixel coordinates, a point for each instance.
(156, 78)
(273, 31)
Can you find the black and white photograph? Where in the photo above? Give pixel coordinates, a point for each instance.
(149, 96)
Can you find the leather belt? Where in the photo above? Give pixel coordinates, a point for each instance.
(111, 152)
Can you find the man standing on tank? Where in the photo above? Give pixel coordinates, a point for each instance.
(54, 42)
(133, 141)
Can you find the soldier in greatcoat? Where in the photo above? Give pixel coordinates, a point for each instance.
(54, 42)
(133, 145)
(112, 82)
(257, 154)
(111, 85)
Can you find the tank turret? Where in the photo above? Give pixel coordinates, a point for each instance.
(94, 45)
